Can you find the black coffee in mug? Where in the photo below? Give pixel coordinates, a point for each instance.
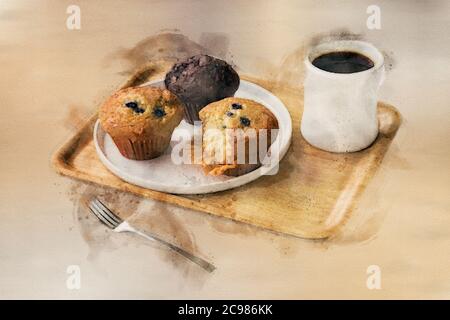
(343, 62)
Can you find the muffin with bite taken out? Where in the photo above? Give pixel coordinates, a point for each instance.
(236, 135)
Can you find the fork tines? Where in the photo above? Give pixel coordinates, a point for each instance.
(104, 214)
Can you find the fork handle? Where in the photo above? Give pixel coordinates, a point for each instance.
(197, 260)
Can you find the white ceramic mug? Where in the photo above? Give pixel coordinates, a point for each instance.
(340, 109)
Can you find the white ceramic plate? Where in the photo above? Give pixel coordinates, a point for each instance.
(162, 174)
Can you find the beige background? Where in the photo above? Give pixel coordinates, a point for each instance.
(53, 78)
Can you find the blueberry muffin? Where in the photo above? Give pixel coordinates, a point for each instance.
(233, 133)
(200, 80)
(141, 120)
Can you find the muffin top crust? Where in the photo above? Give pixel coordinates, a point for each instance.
(141, 108)
(237, 113)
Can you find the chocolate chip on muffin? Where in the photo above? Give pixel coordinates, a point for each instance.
(159, 112)
(244, 121)
(134, 106)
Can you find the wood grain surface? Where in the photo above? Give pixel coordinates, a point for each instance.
(312, 195)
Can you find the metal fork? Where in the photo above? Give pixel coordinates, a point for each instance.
(112, 221)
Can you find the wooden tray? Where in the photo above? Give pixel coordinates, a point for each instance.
(313, 193)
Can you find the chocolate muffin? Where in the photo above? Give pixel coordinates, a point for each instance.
(231, 122)
(141, 120)
(200, 80)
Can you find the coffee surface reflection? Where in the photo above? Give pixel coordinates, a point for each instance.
(343, 62)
